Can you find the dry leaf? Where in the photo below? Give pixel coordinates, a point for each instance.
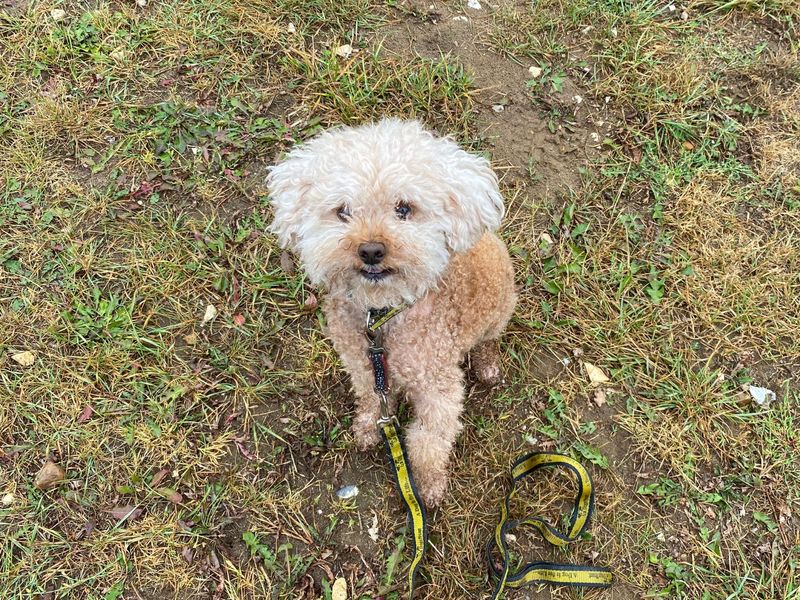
(287, 263)
(238, 320)
(128, 512)
(159, 477)
(26, 359)
(596, 375)
(7, 499)
(48, 476)
(86, 414)
(600, 398)
(344, 51)
(191, 339)
(210, 314)
(339, 591)
(311, 302)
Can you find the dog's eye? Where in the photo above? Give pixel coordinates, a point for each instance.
(343, 213)
(403, 210)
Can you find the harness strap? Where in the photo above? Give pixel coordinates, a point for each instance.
(546, 572)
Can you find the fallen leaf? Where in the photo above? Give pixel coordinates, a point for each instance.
(26, 359)
(128, 512)
(48, 476)
(210, 314)
(287, 263)
(596, 375)
(311, 302)
(187, 554)
(191, 339)
(345, 50)
(687, 145)
(172, 495)
(86, 414)
(474, 4)
(245, 452)
(58, 14)
(339, 591)
(238, 320)
(7, 500)
(600, 398)
(159, 477)
(761, 395)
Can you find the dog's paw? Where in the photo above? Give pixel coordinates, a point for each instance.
(485, 362)
(431, 488)
(365, 432)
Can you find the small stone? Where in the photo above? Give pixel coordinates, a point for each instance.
(347, 492)
(26, 359)
(58, 14)
(290, 28)
(671, 8)
(48, 476)
(534, 72)
(141, 3)
(498, 108)
(339, 589)
(7, 500)
(191, 339)
(578, 99)
(762, 396)
(474, 4)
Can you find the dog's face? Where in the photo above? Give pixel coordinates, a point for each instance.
(375, 212)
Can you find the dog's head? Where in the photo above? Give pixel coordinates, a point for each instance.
(375, 212)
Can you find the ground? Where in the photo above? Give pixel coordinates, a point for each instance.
(650, 161)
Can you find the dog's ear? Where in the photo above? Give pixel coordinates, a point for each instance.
(475, 205)
(288, 183)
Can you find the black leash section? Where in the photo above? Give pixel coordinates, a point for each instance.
(395, 450)
(546, 572)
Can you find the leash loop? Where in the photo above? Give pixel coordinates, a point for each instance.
(546, 572)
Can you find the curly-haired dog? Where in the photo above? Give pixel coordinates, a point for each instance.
(385, 214)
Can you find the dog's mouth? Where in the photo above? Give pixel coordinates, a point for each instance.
(375, 272)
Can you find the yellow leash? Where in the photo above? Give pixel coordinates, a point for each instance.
(539, 572)
(546, 572)
(395, 450)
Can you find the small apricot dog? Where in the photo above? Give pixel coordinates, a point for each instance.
(385, 214)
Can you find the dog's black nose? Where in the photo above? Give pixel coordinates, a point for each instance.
(371, 253)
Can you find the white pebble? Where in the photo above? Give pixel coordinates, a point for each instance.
(534, 72)
(474, 4)
(57, 14)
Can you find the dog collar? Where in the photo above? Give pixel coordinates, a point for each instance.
(378, 317)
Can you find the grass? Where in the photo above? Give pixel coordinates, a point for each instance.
(202, 459)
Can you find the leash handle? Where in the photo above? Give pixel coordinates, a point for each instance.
(546, 572)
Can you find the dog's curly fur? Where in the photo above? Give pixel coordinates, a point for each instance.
(433, 207)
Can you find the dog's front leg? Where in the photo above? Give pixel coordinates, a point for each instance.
(438, 403)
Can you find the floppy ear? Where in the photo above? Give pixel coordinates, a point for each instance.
(474, 205)
(288, 182)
